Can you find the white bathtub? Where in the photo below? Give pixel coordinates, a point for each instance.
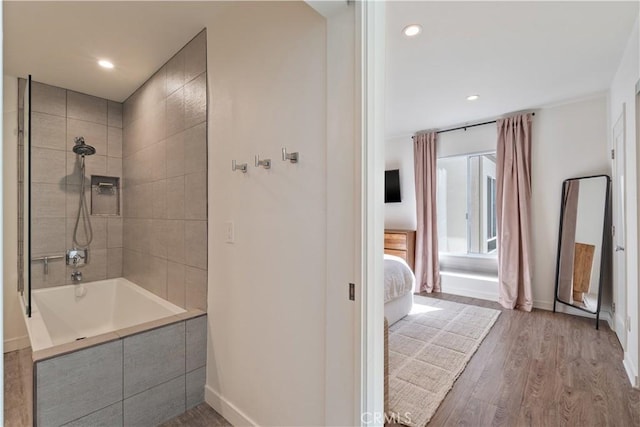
(59, 317)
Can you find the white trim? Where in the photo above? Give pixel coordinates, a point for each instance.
(371, 356)
(631, 372)
(18, 343)
(227, 409)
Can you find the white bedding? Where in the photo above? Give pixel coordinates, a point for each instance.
(398, 278)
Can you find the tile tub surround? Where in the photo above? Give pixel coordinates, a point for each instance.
(164, 164)
(136, 376)
(58, 116)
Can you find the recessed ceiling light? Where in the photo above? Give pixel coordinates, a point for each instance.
(105, 64)
(472, 97)
(412, 30)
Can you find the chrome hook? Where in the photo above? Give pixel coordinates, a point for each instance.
(292, 157)
(265, 163)
(242, 167)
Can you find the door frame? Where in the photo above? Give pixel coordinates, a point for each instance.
(619, 209)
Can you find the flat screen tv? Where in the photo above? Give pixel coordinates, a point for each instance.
(392, 186)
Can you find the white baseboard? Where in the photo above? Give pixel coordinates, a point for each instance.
(13, 344)
(227, 409)
(631, 371)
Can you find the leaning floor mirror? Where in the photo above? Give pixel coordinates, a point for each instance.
(583, 243)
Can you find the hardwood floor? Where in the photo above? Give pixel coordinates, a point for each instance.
(541, 369)
(18, 388)
(533, 369)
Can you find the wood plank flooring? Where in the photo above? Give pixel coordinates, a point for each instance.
(532, 369)
(541, 369)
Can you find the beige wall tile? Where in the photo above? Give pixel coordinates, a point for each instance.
(114, 263)
(158, 157)
(195, 101)
(175, 283)
(137, 234)
(175, 155)
(48, 131)
(195, 149)
(114, 142)
(159, 238)
(94, 165)
(86, 107)
(114, 166)
(48, 165)
(48, 236)
(157, 282)
(48, 99)
(94, 134)
(195, 242)
(175, 72)
(196, 288)
(175, 240)
(175, 112)
(96, 269)
(114, 232)
(195, 196)
(195, 56)
(55, 277)
(99, 227)
(47, 200)
(114, 114)
(159, 199)
(175, 197)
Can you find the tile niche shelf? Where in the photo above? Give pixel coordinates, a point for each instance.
(105, 195)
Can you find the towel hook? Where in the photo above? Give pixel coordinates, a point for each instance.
(242, 167)
(292, 157)
(265, 163)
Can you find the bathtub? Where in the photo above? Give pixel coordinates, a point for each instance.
(114, 355)
(58, 316)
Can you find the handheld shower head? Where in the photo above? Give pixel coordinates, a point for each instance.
(83, 149)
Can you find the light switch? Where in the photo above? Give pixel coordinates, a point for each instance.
(229, 232)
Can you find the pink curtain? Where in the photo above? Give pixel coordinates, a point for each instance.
(427, 266)
(513, 200)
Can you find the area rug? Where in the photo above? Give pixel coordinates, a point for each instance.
(428, 350)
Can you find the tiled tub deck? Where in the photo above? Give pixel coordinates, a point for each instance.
(138, 376)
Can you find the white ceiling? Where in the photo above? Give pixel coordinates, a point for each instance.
(515, 55)
(59, 43)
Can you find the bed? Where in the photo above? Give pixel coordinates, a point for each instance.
(399, 282)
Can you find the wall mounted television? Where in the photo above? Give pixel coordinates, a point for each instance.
(392, 186)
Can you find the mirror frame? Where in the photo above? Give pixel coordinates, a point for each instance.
(606, 248)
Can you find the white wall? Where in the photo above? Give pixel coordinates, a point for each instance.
(623, 92)
(568, 141)
(15, 332)
(399, 155)
(267, 89)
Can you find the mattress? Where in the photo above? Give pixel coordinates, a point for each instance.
(398, 278)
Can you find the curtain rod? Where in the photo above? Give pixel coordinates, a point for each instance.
(469, 126)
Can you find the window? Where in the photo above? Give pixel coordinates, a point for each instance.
(466, 200)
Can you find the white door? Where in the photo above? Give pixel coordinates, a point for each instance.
(619, 241)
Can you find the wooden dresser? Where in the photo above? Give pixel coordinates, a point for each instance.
(401, 243)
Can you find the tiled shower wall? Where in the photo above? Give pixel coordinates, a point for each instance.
(165, 178)
(57, 117)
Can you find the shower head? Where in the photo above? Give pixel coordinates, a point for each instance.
(83, 149)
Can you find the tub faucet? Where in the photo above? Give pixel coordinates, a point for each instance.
(76, 276)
